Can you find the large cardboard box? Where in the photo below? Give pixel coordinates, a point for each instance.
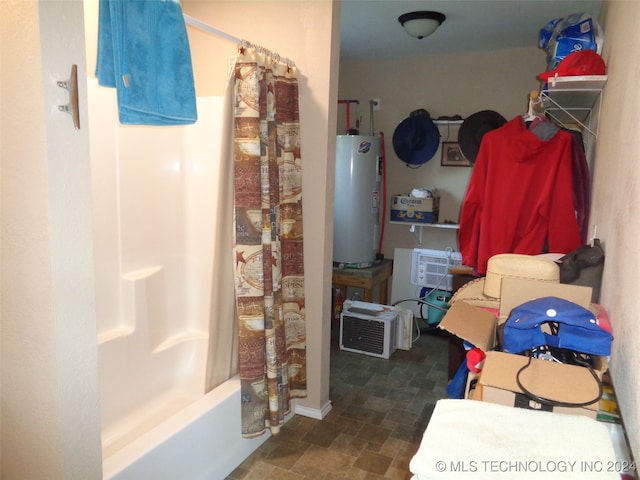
(549, 380)
(516, 291)
(408, 209)
(497, 382)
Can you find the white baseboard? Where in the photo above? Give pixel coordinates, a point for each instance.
(318, 414)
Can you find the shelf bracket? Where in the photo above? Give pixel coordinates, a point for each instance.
(545, 96)
(417, 233)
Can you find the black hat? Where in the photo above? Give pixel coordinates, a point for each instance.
(416, 139)
(473, 129)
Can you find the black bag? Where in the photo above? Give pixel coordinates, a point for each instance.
(584, 266)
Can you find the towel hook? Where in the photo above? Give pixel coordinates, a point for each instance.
(72, 107)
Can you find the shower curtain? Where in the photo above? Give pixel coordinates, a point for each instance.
(269, 274)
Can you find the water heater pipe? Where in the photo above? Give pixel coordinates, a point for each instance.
(384, 192)
(372, 104)
(348, 119)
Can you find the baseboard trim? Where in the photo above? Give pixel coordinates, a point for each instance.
(318, 414)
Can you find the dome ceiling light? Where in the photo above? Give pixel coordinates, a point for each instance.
(421, 24)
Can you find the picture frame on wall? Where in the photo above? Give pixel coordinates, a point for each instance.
(452, 156)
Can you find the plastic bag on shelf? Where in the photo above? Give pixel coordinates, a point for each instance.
(562, 36)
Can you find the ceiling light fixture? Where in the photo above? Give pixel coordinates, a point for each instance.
(421, 24)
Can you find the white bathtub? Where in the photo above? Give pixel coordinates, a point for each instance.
(201, 441)
(157, 423)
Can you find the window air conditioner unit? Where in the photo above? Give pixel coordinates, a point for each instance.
(368, 328)
(430, 268)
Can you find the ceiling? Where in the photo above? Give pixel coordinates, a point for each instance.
(370, 29)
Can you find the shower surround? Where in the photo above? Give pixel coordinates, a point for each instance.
(154, 205)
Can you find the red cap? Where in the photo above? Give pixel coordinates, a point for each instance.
(582, 62)
(475, 359)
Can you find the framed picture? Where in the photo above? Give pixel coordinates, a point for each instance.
(452, 156)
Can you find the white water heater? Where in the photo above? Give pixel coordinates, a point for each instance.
(356, 214)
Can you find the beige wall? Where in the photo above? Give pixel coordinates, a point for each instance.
(616, 196)
(443, 85)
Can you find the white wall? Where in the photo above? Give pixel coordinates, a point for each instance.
(616, 196)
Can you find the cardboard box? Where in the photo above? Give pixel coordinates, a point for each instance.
(472, 383)
(497, 382)
(516, 291)
(408, 209)
(549, 380)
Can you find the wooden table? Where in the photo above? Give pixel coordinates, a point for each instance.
(365, 278)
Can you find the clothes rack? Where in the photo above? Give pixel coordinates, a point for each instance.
(194, 22)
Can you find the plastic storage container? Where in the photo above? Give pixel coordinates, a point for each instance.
(441, 299)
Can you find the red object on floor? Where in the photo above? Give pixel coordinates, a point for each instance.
(338, 301)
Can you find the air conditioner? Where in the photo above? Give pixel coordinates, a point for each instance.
(368, 328)
(430, 268)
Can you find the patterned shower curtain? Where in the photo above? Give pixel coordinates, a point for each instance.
(269, 272)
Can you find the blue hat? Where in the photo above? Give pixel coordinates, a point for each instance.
(578, 328)
(416, 139)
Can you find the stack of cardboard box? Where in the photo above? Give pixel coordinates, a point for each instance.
(496, 382)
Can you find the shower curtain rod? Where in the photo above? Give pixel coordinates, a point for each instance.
(208, 28)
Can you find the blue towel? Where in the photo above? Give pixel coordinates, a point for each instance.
(143, 51)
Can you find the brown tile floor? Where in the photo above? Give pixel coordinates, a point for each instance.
(380, 411)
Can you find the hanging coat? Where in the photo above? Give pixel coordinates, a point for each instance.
(520, 197)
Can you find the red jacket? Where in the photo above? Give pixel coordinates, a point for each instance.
(520, 197)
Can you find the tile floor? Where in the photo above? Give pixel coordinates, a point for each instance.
(380, 411)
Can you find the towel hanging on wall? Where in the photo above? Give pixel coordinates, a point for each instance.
(143, 51)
